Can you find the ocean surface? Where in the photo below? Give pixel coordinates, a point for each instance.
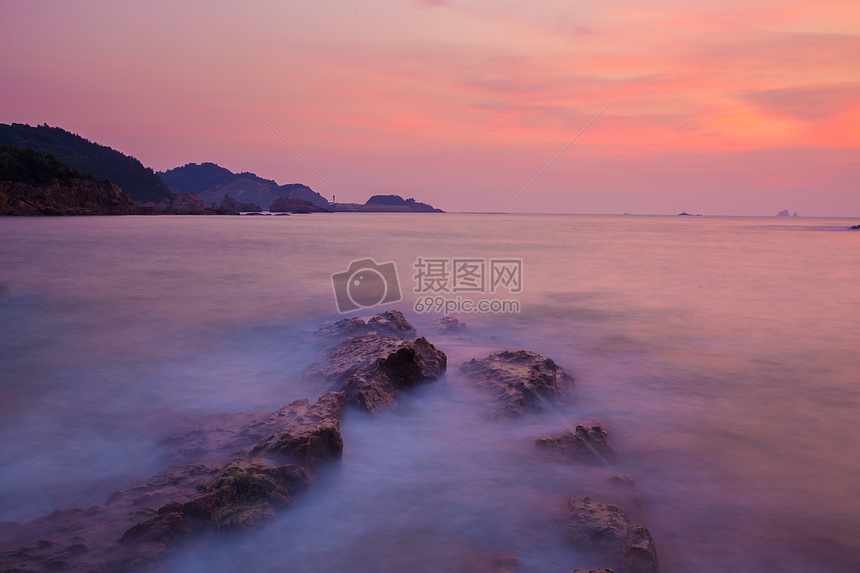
(721, 353)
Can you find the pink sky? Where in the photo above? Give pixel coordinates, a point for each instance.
(730, 107)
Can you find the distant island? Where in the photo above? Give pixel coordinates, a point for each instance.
(387, 204)
(196, 189)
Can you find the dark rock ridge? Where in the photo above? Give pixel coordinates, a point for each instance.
(138, 183)
(855, 227)
(582, 444)
(253, 465)
(783, 213)
(32, 183)
(514, 378)
(295, 205)
(605, 530)
(234, 206)
(370, 361)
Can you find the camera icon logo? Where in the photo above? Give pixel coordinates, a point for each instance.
(365, 284)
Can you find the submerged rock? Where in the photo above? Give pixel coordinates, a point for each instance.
(450, 325)
(515, 378)
(582, 444)
(604, 529)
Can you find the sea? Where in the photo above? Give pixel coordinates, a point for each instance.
(722, 355)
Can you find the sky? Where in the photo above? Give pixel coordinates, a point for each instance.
(732, 107)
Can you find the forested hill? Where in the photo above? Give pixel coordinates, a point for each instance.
(198, 178)
(139, 183)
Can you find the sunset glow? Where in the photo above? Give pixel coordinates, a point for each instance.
(725, 108)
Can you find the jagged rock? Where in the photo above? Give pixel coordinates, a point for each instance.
(391, 322)
(783, 213)
(238, 498)
(577, 444)
(295, 205)
(855, 227)
(596, 526)
(640, 555)
(388, 323)
(313, 437)
(186, 202)
(235, 206)
(625, 481)
(358, 353)
(374, 388)
(605, 530)
(153, 515)
(378, 360)
(450, 324)
(515, 377)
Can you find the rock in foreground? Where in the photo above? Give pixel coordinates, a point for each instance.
(605, 530)
(246, 478)
(515, 378)
(372, 360)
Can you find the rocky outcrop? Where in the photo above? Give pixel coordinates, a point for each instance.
(605, 530)
(582, 444)
(295, 205)
(855, 227)
(230, 204)
(516, 378)
(450, 325)
(783, 213)
(311, 438)
(78, 197)
(375, 387)
(388, 323)
(186, 202)
(255, 463)
(371, 360)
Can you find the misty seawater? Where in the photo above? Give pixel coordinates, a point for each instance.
(720, 353)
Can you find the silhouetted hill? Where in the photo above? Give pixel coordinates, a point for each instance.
(139, 183)
(198, 178)
(212, 183)
(33, 183)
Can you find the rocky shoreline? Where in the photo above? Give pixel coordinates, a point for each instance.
(240, 470)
